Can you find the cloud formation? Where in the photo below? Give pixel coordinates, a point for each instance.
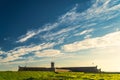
(23, 50)
(73, 21)
(72, 27)
(48, 53)
(104, 41)
(27, 36)
(84, 32)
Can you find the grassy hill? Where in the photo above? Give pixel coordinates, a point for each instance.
(32, 75)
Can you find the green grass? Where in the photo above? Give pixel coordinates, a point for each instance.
(32, 75)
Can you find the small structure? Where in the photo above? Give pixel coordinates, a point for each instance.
(61, 69)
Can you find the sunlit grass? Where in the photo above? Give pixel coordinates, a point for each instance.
(32, 75)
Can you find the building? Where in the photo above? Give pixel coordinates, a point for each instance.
(52, 68)
(81, 69)
(37, 68)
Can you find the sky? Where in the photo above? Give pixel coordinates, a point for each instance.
(70, 33)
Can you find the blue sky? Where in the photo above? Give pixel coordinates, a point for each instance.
(83, 33)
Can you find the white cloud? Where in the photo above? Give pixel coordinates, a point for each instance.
(84, 32)
(33, 33)
(104, 41)
(48, 53)
(100, 11)
(48, 27)
(107, 27)
(89, 25)
(27, 36)
(60, 32)
(87, 36)
(70, 16)
(19, 51)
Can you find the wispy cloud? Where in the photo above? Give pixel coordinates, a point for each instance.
(87, 36)
(32, 33)
(103, 10)
(49, 27)
(107, 40)
(23, 50)
(48, 53)
(84, 32)
(100, 11)
(27, 36)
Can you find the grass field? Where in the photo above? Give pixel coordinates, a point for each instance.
(31, 75)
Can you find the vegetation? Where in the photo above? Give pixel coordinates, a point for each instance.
(32, 75)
